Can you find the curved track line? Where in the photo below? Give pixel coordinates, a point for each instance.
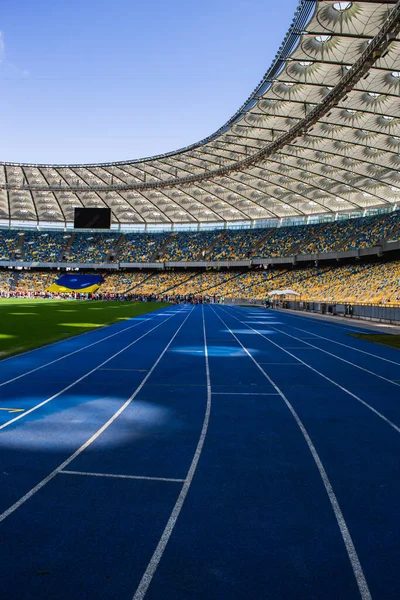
(371, 408)
(70, 353)
(335, 356)
(68, 387)
(94, 437)
(345, 345)
(159, 551)
(317, 319)
(347, 539)
(79, 335)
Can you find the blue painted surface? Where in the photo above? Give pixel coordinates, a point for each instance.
(257, 521)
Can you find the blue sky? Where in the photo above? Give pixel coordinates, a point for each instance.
(94, 80)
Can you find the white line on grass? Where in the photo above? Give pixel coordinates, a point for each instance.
(371, 408)
(159, 551)
(68, 387)
(347, 539)
(93, 438)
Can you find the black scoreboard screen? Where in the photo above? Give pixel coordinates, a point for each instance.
(92, 218)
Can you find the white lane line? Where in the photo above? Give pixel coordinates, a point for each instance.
(347, 539)
(79, 336)
(112, 475)
(313, 347)
(282, 364)
(345, 345)
(70, 353)
(68, 387)
(334, 356)
(93, 438)
(317, 319)
(371, 408)
(244, 393)
(294, 347)
(159, 551)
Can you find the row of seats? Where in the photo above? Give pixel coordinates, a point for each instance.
(94, 248)
(44, 246)
(194, 246)
(357, 282)
(162, 282)
(188, 246)
(34, 281)
(208, 282)
(9, 244)
(117, 283)
(141, 247)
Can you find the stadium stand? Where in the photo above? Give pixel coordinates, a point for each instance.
(91, 248)
(46, 246)
(257, 284)
(377, 282)
(118, 283)
(141, 247)
(237, 245)
(34, 281)
(370, 283)
(10, 243)
(348, 234)
(162, 282)
(331, 236)
(206, 283)
(356, 282)
(189, 246)
(6, 280)
(284, 240)
(383, 227)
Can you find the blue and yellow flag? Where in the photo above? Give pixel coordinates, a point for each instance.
(76, 283)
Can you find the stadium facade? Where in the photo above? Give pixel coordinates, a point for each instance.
(319, 137)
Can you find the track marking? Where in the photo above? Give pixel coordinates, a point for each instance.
(136, 370)
(159, 551)
(69, 354)
(121, 476)
(68, 387)
(93, 438)
(345, 345)
(335, 356)
(285, 364)
(347, 539)
(315, 317)
(244, 393)
(295, 347)
(371, 408)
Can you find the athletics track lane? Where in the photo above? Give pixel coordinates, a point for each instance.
(256, 522)
(359, 449)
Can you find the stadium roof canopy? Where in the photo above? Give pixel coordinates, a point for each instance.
(319, 135)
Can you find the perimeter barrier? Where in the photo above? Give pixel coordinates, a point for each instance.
(369, 312)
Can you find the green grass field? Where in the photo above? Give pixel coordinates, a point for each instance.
(27, 324)
(386, 339)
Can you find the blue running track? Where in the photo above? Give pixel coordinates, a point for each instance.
(196, 453)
